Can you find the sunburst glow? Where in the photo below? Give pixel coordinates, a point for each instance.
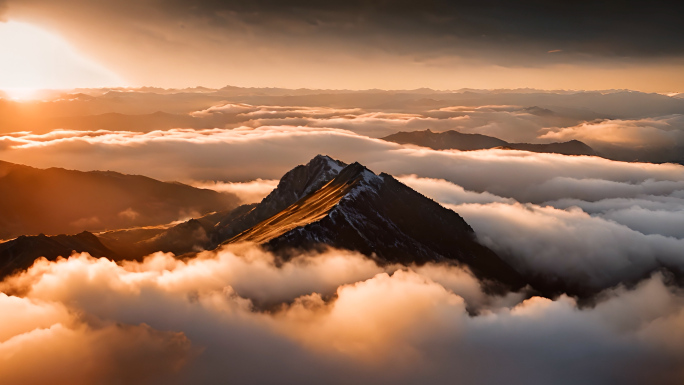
(33, 59)
(23, 93)
(341, 192)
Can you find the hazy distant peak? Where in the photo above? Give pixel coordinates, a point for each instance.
(539, 111)
(454, 140)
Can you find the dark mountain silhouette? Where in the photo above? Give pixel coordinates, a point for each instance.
(57, 201)
(572, 147)
(446, 140)
(455, 140)
(21, 253)
(322, 204)
(294, 185)
(208, 232)
(325, 203)
(534, 110)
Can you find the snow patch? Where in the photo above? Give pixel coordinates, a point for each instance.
(368, 183)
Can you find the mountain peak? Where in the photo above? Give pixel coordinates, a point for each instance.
(357, 172)
(303, 179)
(378, 216)
(360, 178)
(323, 159)
(349, 182)
(293, 186)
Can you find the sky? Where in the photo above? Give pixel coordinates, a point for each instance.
(610, 225)
(347, 45)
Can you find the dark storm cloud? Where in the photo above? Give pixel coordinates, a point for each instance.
(552, 29)
(502, 32)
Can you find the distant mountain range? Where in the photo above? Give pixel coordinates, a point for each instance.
(147, 109)
(454, 140)
(325, 203)
(57, 201)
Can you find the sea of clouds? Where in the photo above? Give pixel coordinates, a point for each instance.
(234, 315)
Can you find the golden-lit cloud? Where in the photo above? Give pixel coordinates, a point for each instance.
(647, 132)
(368, 318)
(654, 139)
(343, 318)
(268, 152)
(605, 237)
(582, 222)
(248, 192)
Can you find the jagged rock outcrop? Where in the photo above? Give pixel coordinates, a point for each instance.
(378, 216)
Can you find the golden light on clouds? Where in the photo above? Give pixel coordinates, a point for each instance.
(341, 192)
(32, 58)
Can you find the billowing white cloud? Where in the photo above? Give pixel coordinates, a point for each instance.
(339, 318)
(48, 341)
(511, 123)
(449, 193)
(570, 244)
(345, 320)
(248, 192)
(268, 152)
(626, 216)
(228, 108)
(663, 132)
(618, 242)
(653, 139)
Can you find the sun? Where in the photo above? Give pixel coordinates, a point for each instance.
(32, 59)
(21, 93)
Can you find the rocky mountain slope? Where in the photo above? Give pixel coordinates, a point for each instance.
(375, 215)
(21, 253)
(325, 203)
(209, 231)
(58, 201)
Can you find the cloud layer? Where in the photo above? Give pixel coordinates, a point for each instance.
(343, 320)
(658, 139)
(605, 222)
(269, 151)
(617, 239)
(247, 192)
(236, 315)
